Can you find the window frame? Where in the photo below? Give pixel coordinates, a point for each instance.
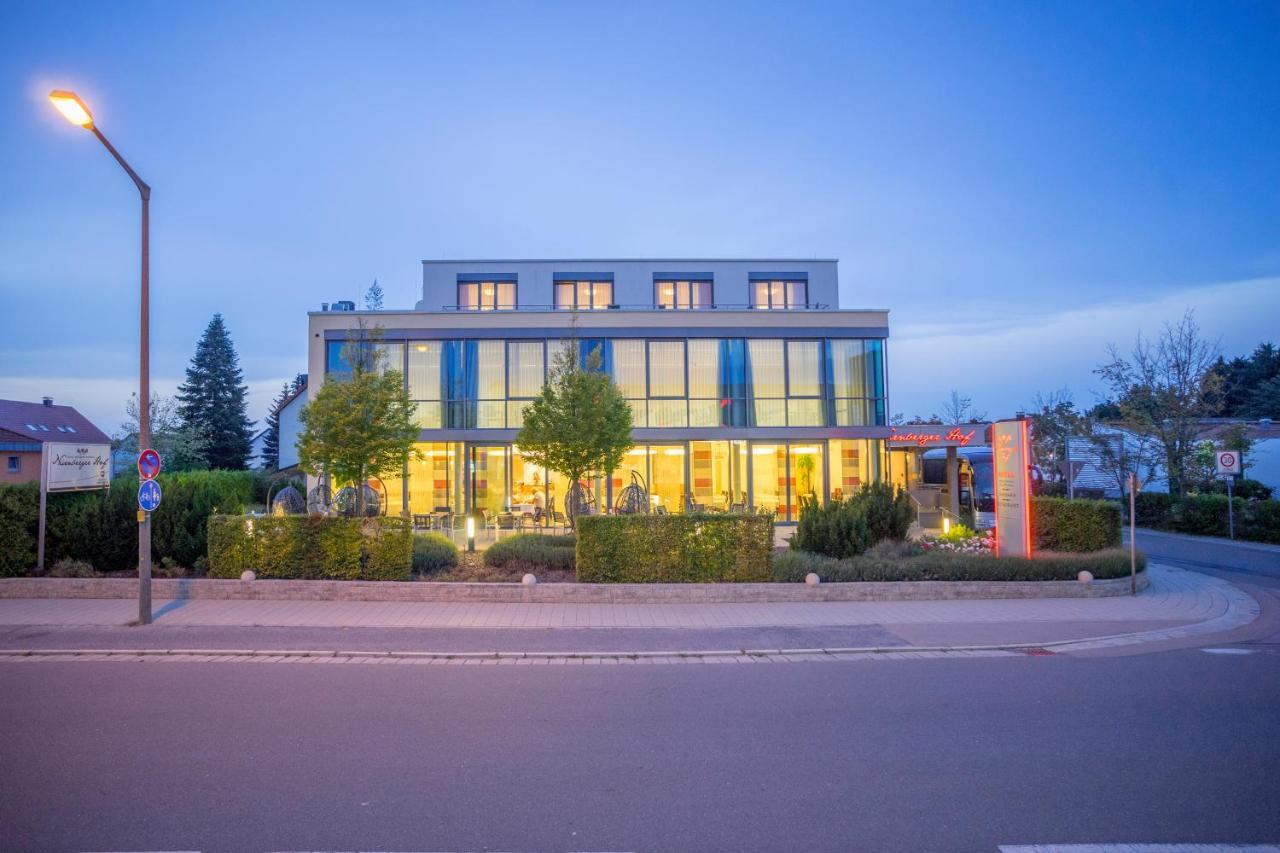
(14, 465)
(593, 283)
(688, 282)
(496, 303)
(786, 283)
(648, 379)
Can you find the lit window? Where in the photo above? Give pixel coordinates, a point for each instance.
(779, 294)
(486, 295)
(583, 295)
(683, 294)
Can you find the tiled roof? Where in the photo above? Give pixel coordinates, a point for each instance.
(38, 422)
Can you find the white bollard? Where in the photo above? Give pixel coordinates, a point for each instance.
(247, 575)
(812, 579)
(529, 580)
(1085, 577)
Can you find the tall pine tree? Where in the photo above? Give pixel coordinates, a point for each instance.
(213, 399)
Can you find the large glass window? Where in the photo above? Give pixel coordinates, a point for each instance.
(583, 295)
(667, 407)
(807, 475)
(525, 378)
(768, 381)
(857, 382)
(489, 480)
(435, 478)
(718, 470)
(854, 464)
(682, 294)
(779, 294)
(424, 383)
(705, 400)
(769, 478)
(804, 383)
(629, 374)
(486, 295)
(666, 478)
(491, 402)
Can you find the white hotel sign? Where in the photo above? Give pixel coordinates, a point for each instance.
(77, 467)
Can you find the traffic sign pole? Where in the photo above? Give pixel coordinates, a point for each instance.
(148, 469)
(1231, 518)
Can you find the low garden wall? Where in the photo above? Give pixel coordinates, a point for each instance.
(691, 548)
(311, 547)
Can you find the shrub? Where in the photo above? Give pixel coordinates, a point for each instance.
(69, 568)
(954, 566)
(1204, 515)
(1243, 487)
(690, 548)
(433, 552)
(101, 527)
(1153, 509)
(1075, 525)
(845, 528)
(532, 552)
(311, 547)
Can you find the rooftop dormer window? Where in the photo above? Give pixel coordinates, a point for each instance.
(493, 295)
(683, 293)
(779, 294)
(581, 295)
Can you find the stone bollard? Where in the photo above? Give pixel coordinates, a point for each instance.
(1085, 577)
(812, 579)
(247, 575)
(529, 580)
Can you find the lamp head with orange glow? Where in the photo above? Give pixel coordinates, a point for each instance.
(72, 108)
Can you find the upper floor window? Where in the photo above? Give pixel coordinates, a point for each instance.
(583, 295)
(486, 295)
(683, 294)
(779, 294)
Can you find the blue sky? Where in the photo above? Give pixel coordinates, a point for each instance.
(1020, 183)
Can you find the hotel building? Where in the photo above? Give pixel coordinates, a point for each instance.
(748, 384)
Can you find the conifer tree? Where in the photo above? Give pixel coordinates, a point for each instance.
(373, 297)
(271, 444)
(213, 399)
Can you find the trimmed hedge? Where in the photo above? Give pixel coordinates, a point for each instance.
(1074, 525)
(691, 548)
(532, 552)
(953, 566)
(433, 552)
(101, 527)
(1206, 515)
(312, 547)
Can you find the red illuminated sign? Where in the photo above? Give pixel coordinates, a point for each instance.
(1012, 458)
(955, 437)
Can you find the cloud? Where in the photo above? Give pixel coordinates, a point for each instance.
(1002, 362)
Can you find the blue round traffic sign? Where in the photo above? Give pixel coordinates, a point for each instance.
(148, 464)
(149, 495)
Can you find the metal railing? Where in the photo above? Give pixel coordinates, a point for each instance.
(732, 306)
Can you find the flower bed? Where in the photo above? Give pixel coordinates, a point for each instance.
(950, 565)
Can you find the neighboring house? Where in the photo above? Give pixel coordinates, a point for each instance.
(25, 426)
(257, 447)
(288, 412)
(748, 386)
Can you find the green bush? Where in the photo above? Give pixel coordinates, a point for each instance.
(691, 548)
(433, 552)
(1243, 487)
(845, 528)
(532, 552)
(1153, 509)
(1059, 524)
(69, 568)
(101, 527)
(954, 566)
(311, 547)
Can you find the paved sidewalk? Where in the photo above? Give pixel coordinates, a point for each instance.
(1177, 600)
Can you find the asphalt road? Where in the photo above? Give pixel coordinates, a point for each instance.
(913, 755)
(1245, 559)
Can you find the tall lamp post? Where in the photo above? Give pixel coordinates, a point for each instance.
(75, 111)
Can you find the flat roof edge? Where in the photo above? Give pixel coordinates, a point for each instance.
(633, 260)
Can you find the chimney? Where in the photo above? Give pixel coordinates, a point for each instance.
(48, 401)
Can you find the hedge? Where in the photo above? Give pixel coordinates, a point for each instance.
(311, 547)
(690, 548)
(433, 552)
(532, 552)
(101, 527)
(1206, 515)
(953, 566)
(1074, 525)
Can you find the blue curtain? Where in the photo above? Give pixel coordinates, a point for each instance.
(459, 375)
(586, 346)
(735, 384)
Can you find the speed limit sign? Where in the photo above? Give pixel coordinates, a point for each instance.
(1228, 462)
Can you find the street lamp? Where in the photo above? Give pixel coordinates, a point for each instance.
(76, 112)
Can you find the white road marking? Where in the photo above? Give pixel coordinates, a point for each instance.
(1228, 651)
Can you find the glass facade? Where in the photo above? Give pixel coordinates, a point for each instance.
(672, 383)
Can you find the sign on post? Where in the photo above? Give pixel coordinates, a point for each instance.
(148, 464)
(1228, 463)
(148, 495)
(1011, 458)
(69, 468)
